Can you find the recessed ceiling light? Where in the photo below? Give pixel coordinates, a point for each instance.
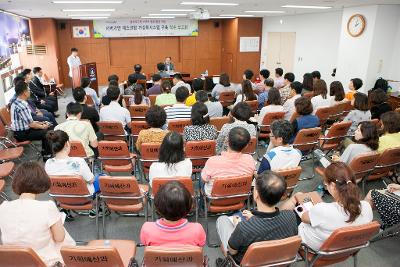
(87, 2)
(208, 4)
(178, 10)
(239, 15)
(310, 7)
(89, 15)
(159, 17)
(265, 11)
(90, 10)
(175, 14)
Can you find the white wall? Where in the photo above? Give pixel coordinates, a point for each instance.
(317, 38)
(394, 70)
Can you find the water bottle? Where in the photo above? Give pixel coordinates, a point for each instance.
(107, 243)
(320, 190)
(206, 73)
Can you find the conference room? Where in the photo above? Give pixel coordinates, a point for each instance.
(207, 133)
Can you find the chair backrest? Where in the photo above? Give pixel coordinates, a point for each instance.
(126, 99)
(189, 256)
(112, 130)
(251, 146)
(253, 105)
(269, 118)
(91, 256)
(77, 149)
(230, 186)
(308, 94)
(307, 139)
(291, 176)
(337, 132)
(200, 151)
(138, 112)
(363, 164)
(323, 114)
(388, 161)
(264, 253)
(114, 153)
(218, 122)
(3, 130)
(150, 151)
(337, 111)
(152, 99)
(5, 116)
(137, 126)
(18, 256)
(120, 187)
(89, 100)
(70, 191)
(227, 98)
(157, 182)
(178, 125)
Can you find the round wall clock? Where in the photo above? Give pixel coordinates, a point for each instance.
(356, 25)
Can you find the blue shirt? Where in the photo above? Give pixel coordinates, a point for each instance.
(262, 98)
(21, 116)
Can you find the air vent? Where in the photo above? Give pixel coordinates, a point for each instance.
(36, 49)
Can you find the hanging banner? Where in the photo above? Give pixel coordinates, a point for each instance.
(110, 28)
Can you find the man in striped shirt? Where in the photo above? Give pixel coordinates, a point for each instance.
(22, 123)
(179, 110)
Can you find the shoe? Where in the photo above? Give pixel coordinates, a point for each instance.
(92, 213)
(68, 215)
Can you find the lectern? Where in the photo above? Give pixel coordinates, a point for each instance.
(85, 70)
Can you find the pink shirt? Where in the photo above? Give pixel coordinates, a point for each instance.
(182, 233)
(228, 164)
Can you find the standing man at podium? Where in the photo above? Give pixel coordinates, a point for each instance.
(169, 66)
(73, 61)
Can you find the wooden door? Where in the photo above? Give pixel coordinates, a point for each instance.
(273, 51)
(288, 43)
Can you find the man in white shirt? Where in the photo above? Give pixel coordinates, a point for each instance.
(179, 110)
(278, 83)
(114, 111)
(73, 61)
(295, 93)
(178, 82)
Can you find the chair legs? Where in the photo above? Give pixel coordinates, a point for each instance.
(4, 196)
(313, 169)
(97, 217)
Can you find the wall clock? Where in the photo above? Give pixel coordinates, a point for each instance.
(356, 25)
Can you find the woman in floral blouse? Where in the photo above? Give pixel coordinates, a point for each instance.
(201, 129)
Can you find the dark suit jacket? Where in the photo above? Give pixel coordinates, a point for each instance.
(138, 76)
(37, 88)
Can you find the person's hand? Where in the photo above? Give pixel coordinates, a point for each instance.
(42, 101)
(236, 220)
(39, 113)
(247, 214)
(52, 93)
(393, 187)
(335, 158)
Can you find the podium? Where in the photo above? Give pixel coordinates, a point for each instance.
(85, 70)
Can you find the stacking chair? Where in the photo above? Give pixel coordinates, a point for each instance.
(112, 130)
(306, 141)
(5, 116)
(253, 106)
(122, 195)
(336, 134)
(199, 152)
(149, 154)
(291, 176)
(281, 252)
(337, 112)
(219, 122)
(188, 256)
(136, 127)
(78, 150)
(12, 153)
(153, 99)
(388, 161)
(342, 244)
(178, 125)
(138, 113)
(251, 146)
(59, 86)
(115, 253)
(115, 157)
(227, 98)
(228, 194)
(18, 256)
(185, 181)
(346, 108)
(267, 121)
(323, 115)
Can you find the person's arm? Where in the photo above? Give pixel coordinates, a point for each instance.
(85, 171)
(55, 223)
(58, 231)
(92, 137)
(235, 241)
(38, 125)
(127, 118)
(221, 140)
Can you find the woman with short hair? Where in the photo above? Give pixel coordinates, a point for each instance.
(391, 131)
(305, 118)
(273, 105)
(223, 86)
(201, 129)
(379, 104)
(336, 91)
(320, 98)
(360, 112)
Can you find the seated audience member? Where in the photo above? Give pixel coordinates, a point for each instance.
(231, 162)
(240, 114)
(130, 89)
(114, 111)
(156, 118)
(172, 161)
(88, 113)
(248, 75)
(263, 76)
(305, 119)
(22, 123)
(179, 110)
(114, 78)
(197, 85)
(215, 109)
(336, 91)
(156, 88)
(263, 97)
(285, 91)
(105, 100)
(201, 129)
(273, 105)
(29, 222)
(320, 98)
(247, 93)
(224, 85)
(161, 70)
(279, 80)
(78, 130)
(324, 218)
(366, 140)
(39, 95)
(391, 131)
(379, 104)
(85, 84)
(179, 82)
(282, 155)
(307, 83)
(166, 97)
(381, 84)
(264, 224)
(316, 75)
(138, 98)
(359, 113)
(288, 106)
(63, 164)
(354, 85)
(173, 202)
(138, 75)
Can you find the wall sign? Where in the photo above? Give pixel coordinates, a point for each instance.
(145, 27)
(249, 44)
(81, 32)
